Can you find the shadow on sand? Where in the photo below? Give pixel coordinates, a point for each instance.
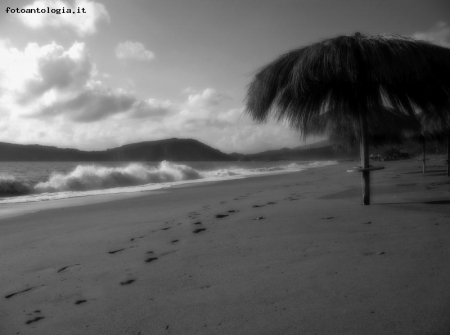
(433, 173)
(434, 202)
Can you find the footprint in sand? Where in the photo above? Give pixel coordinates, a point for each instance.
(196, 231)
(193, 215)
(36, 319)
(134, 238)
(35, 312)
(8, 296)
(64, 268)
(151, 259)
(112, 252)
(127, 282)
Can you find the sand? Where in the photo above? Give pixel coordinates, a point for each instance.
(285, 254)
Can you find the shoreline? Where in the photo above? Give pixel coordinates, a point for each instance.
(289, 253)
(11, 209)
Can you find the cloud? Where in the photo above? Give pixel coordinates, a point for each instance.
(151, 108)
(91, 105)
(439, 34)
(205, 115)
(50, 81)
(206, 98)
(133, 51)
(202, 105)
(82, 23)
(54, 95)
(57, 69)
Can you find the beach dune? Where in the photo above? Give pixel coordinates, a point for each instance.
(292, 253)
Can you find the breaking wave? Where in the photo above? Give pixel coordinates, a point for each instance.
(9, 186)
(93, 179)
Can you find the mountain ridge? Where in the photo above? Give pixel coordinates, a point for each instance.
(175, 149)
(168, 149)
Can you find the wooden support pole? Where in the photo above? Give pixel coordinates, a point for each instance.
(364, 152)
(448, 152)
(424, 166)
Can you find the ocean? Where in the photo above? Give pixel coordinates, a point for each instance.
(41, 181)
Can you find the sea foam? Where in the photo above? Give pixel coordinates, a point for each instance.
(96, 179)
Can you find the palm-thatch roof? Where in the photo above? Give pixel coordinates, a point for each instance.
(351, 74)
(355, 77)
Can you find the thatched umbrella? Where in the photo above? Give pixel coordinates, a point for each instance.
(353, 75)
(437, 127)
(385, 126)
(422, 133)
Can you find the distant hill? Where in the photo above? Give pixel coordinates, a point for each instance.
(322, 150)
(325, 150)
(321, 153)
(175, 149)
(171, 149)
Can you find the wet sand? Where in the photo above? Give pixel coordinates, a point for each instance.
(285, 254)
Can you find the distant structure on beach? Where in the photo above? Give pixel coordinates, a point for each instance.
(391, 154)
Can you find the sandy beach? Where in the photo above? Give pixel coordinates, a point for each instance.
(292, 253)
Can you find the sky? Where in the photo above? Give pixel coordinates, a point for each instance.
(143, 70)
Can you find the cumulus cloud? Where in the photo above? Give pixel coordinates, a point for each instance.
(439, 34)
(54, 95)
(50, 81)
(202, 106)
(206, 116)
(133, 51)
(82, 23)
(206, 98)
(91, 105)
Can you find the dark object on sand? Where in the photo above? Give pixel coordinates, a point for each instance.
(36, 319)
(127, 282)
(151, 259)
(356, 76)
(199, 230)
